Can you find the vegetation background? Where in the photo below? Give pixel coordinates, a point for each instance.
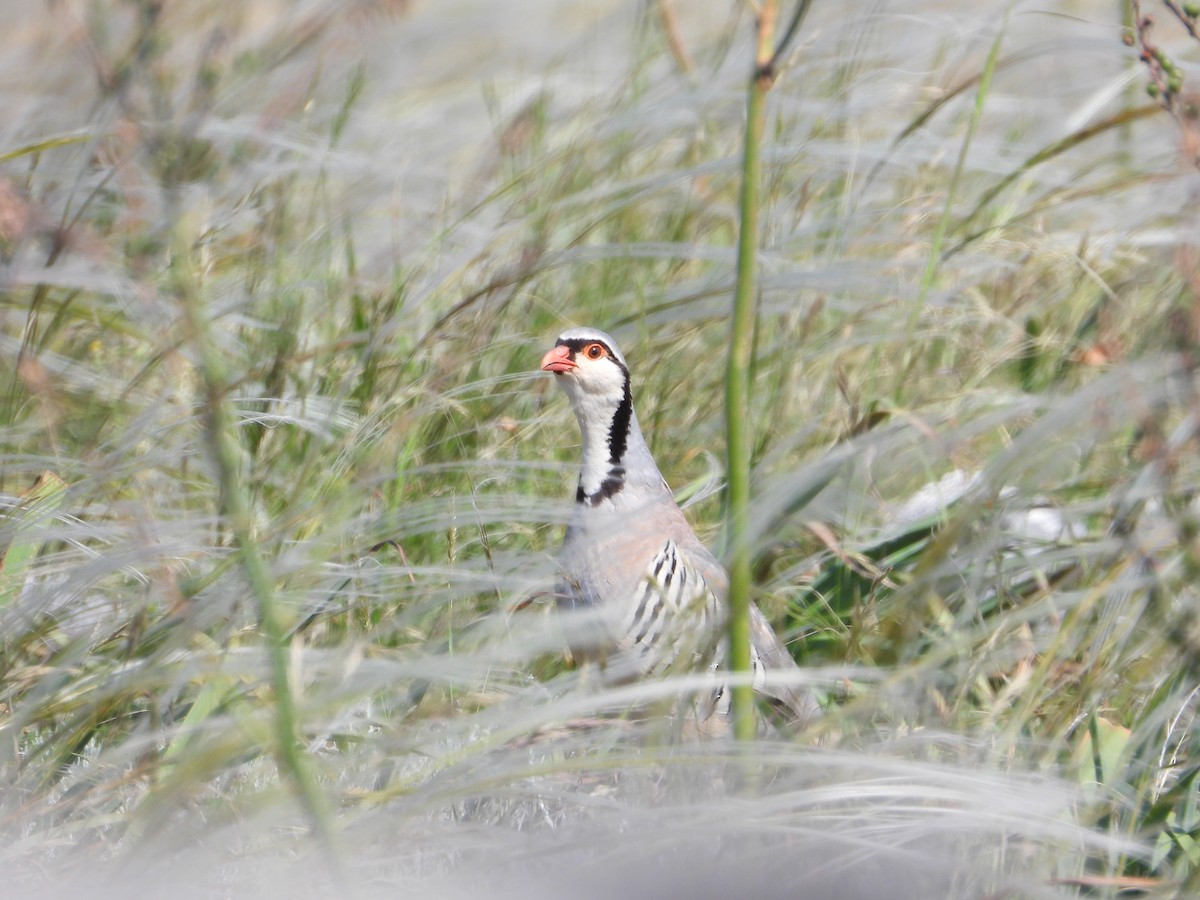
(275, 461)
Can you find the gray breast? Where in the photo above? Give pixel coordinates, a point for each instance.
(647, 587)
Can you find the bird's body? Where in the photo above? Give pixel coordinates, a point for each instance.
(652, 595)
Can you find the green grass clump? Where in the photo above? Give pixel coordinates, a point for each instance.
(272, 294)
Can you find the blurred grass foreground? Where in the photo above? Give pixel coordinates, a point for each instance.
(275, 464)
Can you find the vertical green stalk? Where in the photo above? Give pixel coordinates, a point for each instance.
(238, 510)
(737, 375)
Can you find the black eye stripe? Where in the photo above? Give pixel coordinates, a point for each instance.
(575, 345)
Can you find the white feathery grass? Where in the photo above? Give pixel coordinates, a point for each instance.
(975, 521)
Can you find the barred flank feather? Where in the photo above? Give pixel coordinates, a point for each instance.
(672, 608)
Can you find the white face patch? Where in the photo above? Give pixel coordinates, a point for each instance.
(599, 378)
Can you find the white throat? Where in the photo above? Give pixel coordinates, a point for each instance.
(616, 461)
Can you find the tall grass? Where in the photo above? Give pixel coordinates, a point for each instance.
(273, 289)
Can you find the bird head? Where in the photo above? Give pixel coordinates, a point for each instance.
(587, 363)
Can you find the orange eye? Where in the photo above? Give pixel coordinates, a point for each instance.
(593, 351)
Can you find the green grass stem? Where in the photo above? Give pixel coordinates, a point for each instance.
(237, 506)
(738, 434)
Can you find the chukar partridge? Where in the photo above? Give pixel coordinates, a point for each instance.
(655, 593)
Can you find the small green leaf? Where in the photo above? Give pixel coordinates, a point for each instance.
(1098, 756)
(1187, 844)
(38, 506)
(216, 690)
